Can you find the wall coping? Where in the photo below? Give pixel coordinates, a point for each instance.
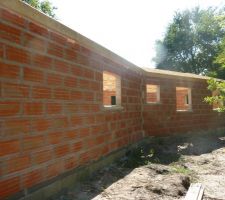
(41, 18)
(174, 73)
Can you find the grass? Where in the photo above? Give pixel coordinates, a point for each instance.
(182, 170)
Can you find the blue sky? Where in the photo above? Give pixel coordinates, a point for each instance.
(129, 28)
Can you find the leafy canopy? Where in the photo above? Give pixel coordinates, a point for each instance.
(44, 6)
(191, 42)
(219, 97)
(220, 58)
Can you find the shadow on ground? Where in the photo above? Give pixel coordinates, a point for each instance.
(158, 150)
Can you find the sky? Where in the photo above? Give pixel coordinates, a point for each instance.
(129, 28)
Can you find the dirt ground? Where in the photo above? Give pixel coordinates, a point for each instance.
(160, 170)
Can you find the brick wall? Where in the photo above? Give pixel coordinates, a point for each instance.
(52, 118)
(164, 119)
(51, 109)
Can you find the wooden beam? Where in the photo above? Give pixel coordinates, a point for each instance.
(195, 192)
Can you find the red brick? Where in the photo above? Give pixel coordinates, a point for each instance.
(33, 108)
(15, 90)
(33, 42)
(54, 108)
(76, 121)
(60, 122)
(71, 108)
(54, 79)
(61, 94)
(72, 44)
(71, 163)
(84, 132)
(76, 70)
(95, 108)
(9, 186)
(10, 33)
(84, 60)
(1, 50)
(13, 18)
(35, 28)
(100, 139)
(9, 71)
(41, 124)
(70, 82)
(88, 96)
(61, 66)
(42, 61)
(71, 134)
(77, 146)
(8, 108)
(98, 76)
(84, 157)
(88, 73)
(54, 169)
(96, 86)
(41, 93)
(55, 50)
(84, 108)
(42, 156)
(84, 84)
(17, 55)
(61, 150)
(96, 154)
(96, 129)
(76, 95)
(32, 178)
(89, 119)
(70, 55)
(9, 147)
(33, 75)
(33, 142)
(105, 150)
(58, 38)
(54, 138)
(16, 127)
(17, 164)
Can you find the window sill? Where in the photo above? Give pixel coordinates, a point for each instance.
(153, 103)
(184, 110)
(116, 107)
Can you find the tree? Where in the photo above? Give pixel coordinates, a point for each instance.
(220, 58)
(44, 6)
(191, 42)
(218, 87)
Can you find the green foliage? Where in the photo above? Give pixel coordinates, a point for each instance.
(44, 6)
(191, 42)
(220, 59)
(138, 157)
(219, 97)
(182, 170)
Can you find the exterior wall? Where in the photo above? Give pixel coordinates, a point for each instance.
(51, 109)
(163, 118)
(52, 118)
